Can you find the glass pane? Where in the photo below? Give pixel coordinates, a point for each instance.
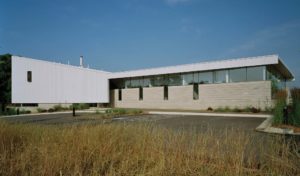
(175, 80)
(205, 78)
(196, 77)
(147, 82)
(237, 75)
(127, 83)
(220, 76)
(188, 78)
(118, 83)
(255, 74)
(135, 82)
(158, 80)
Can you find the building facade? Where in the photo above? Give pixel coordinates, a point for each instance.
(243, 82)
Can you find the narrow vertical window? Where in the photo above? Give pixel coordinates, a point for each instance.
(195, 91)
(166, 93)
(29, 76)
(140, 93)
(120, 94)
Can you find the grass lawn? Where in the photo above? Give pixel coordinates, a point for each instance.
(140, 149)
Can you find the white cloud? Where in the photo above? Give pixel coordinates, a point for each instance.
(273, 35)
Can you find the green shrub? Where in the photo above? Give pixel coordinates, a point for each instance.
(255, 110)
(278, 112)
(11, 111)
(279, 106)
(51, 110)
(58, 108)
(236, 109)
(121, 111)
(295, 117)
(80, 106)
(23, 111)
(269, 109)
(14, 111)
(41, 110)
(210, 109)
(223, 109)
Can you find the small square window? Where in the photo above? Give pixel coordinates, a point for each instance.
(29, 76)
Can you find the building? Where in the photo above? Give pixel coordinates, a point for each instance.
(230, 83)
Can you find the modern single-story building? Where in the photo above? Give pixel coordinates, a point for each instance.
(241, 82)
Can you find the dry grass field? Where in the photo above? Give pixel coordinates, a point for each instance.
(140, 149)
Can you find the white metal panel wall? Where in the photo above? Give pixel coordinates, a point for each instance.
(57, 83)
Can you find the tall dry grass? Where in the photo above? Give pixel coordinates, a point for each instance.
(140, 149)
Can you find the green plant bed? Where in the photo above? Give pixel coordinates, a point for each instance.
(121, 111)
(79, 106)
(236, 109)
(14, 111)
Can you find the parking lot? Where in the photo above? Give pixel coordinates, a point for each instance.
(176, 122)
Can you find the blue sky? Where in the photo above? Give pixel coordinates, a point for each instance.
(116, 35)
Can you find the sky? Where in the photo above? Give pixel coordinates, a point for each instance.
(118, 35)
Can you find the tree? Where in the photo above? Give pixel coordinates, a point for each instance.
(5, 81)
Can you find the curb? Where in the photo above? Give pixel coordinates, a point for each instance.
(49, 113)
(266, 127)
(211, 114)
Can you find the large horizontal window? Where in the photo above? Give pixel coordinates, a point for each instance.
(255, 73)
(237, 75)
(205, 77)
(219, 76)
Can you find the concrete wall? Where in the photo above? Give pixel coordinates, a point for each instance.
(57, 83)
(256, 94)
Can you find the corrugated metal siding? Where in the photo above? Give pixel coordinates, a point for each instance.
(57, 83)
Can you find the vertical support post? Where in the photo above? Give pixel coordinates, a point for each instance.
(285, 115)
(73, 111)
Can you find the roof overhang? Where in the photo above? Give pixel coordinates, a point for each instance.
(284, 71)
(208, 66)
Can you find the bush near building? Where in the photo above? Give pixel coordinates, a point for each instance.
(295, 115)
(5, 82)
(280, 103)
(80, 106)
(293, 108)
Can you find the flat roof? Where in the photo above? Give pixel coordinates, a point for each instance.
(59, 64)
(211, 65)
